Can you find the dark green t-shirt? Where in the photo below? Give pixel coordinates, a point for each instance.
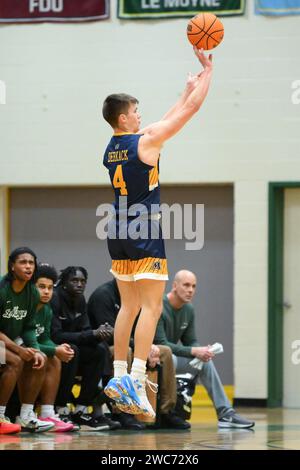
(176, 328)
(43, 327)
(17, 312)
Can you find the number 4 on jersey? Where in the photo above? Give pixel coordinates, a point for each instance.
(119, 182)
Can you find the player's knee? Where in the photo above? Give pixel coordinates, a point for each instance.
(15, 362)
(157, 309)
(136, 309)
(165, 352)
(132, 309)
(45, 360)
(54, 362)
(208, 367)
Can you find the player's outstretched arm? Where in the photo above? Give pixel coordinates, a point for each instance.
(164, 129)
(200, 91)
(189, 87)
(156, 134)
(191, 84)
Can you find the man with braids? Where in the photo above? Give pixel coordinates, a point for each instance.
(25, 363)
(70, 324)
(46, 277)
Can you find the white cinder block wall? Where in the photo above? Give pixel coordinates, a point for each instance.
(51, 131)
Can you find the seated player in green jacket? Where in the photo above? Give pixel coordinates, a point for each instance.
(25, 363)
(46, 277)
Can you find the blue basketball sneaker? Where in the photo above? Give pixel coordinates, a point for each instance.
(136, 391)
(114, 391)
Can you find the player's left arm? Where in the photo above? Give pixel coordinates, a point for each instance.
(191, 84)
(156, 134)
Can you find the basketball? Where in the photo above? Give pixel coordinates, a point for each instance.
(205, 31)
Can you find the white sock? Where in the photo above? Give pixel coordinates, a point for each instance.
(120, 368)
(47, 411)
(25, 410)
(2, 411)
(138, 369)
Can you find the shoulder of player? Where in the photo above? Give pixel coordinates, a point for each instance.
(148, 141)
(4, 283)
(189, 308)
(34, 292)
(46, 310)
(157, 133)
(150, 132)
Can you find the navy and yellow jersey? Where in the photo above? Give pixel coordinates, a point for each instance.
(130, 176)
(134, 183)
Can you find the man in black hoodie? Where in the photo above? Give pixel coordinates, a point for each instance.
(70, 324)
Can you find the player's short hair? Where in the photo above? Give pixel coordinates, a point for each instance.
(116, 104)
(13, 257)
(47, 271)
(66, 273)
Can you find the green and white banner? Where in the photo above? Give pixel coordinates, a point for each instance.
(154, 9)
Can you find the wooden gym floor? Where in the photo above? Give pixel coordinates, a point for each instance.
(275, 429)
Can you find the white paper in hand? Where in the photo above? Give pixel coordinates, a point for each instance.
(216, 348)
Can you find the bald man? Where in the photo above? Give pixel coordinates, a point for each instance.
(176, 329)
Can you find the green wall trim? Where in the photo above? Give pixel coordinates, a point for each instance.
(275, 290)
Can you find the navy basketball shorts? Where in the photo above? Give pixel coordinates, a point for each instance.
(137, 250)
